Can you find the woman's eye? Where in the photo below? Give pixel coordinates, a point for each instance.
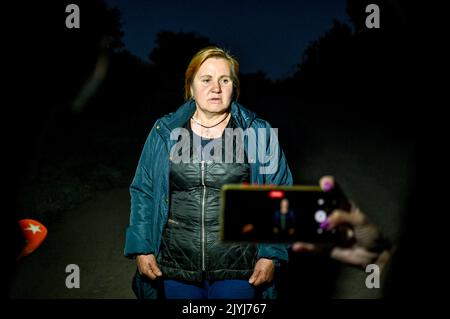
(206, 81)
(225, 81)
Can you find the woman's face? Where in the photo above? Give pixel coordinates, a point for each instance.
(212, 87)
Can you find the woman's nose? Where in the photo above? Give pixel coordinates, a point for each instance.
(216, 87)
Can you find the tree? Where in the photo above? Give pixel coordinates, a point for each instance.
(355, 65)
(170, 58)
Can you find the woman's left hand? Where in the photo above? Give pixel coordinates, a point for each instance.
(263, 272)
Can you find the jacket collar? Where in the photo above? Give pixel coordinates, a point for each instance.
(242, 116)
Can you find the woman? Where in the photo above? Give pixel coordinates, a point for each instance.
(174, 223)
(284, 221)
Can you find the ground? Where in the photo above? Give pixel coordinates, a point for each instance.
(92, 237)
(372, 165)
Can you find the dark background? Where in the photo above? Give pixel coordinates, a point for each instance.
(82, 105)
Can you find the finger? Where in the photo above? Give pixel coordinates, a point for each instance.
(340, 217)
(149, 273)
(315, 249)
(259, 279)
(354, 208)
(144, 269)
(154, 267)
(299, 247)
(356, 256)
(327, 183)
(254, 276)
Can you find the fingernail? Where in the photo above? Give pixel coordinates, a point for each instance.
(327, 186)
(296, 246)
(325, 225)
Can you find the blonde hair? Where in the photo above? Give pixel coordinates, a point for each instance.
(200, 57)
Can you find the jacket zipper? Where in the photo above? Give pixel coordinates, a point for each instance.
(203, 215)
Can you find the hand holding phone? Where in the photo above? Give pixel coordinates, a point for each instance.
(362, 242)
(272, 214)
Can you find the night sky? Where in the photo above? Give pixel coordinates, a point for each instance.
(265, 35)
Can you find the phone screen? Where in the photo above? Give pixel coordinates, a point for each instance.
(277, 213)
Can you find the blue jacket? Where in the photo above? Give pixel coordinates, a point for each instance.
(149, 189)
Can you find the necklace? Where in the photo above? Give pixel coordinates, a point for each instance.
(208, 127)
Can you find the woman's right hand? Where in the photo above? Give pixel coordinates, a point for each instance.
(147, 266)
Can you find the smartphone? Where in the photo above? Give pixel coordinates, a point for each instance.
(279, 214)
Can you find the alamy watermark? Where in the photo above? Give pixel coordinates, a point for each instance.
(260, 145)
(373, 278)
(73, 19)
(373, 19)
(73, 279)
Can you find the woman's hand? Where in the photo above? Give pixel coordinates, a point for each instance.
(368, 245)
(263, 272)
(147, 266)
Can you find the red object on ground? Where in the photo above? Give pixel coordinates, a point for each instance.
(34, 233)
